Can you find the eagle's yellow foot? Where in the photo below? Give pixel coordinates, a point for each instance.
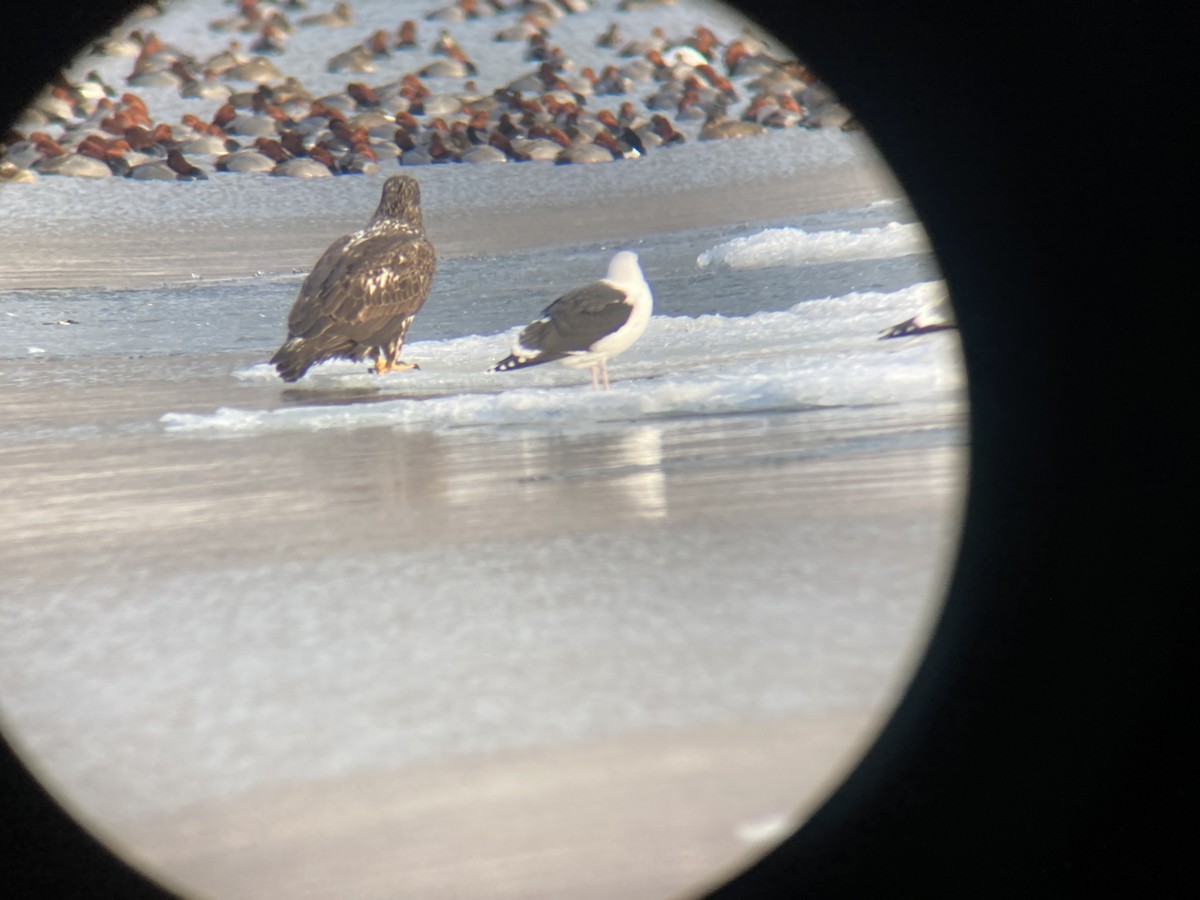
(383, 367)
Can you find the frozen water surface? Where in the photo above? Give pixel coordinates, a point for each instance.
(340, 632)
(794, 246)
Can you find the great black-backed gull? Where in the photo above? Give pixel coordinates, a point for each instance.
(589, 325)
(361, 297)
(936, 315)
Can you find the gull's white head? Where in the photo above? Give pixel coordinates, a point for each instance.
(624, 268)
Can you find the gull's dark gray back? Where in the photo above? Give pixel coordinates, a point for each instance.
(578, 319)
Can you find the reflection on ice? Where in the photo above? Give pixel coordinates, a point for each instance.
(644, 484)
(623, 467)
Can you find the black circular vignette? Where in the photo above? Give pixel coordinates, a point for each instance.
(1036, 751)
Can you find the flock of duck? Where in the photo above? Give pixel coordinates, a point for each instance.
(646, 96)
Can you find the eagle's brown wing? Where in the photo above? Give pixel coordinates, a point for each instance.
(360, 297)
(357, 287)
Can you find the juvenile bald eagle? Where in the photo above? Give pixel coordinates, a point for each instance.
(589, 325)
(361, 296)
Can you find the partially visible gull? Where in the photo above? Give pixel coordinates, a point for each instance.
(936, 315)
(589, 325)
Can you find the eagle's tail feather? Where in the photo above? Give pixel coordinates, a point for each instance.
(298, 355)
(293, 359)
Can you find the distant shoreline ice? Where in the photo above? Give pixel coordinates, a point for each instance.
(795, 246)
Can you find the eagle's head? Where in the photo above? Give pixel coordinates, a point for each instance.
(400, 203)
